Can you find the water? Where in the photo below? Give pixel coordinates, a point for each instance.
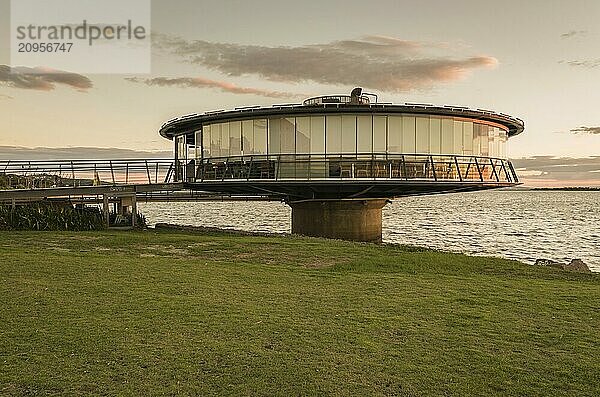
(522, 225)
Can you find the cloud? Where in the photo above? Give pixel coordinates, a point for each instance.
(573, 33)
(77, 153)
(565, 170)
(199, 82)
(41, 79)
(588, 64)
(586, 130)
(378, 62)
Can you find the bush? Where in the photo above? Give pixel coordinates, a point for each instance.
(50, 217)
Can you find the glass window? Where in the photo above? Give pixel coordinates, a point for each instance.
(422, 134)
(224, 139)
(364, 134)
(494, 142)
(477, 139)
(468, 137)
(447, 135)
(348, 134)
(379, 134)
(198, 144)
(288, 132)
(235, 138)
(215, 140)
(274, 136)
(485, 140)
(302, 135)
(435, 135)
(248, 136)
(317, 134)
(260, 136)
(181, 147)
(409, 143)
(458, 137)
(206, 140)
(503, 140)
(395, 134)
(334, 134)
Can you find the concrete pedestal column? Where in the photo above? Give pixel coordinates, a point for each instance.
(357, 220)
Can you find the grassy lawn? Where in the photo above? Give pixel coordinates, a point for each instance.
(154, 313)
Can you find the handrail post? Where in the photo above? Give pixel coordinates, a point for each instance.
(148, 172)
(112, 172)
(494, 170)
(516, 178)
(73, 174)
(508, 178)
(433, 168)
(478, 169)
(460, 178)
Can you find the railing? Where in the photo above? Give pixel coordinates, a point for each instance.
(22, 174)
(368, 166)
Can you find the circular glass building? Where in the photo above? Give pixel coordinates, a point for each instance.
(337, 159)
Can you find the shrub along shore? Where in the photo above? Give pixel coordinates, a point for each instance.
(165, 312)
(57, 216)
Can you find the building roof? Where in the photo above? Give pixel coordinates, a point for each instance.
(192, 122)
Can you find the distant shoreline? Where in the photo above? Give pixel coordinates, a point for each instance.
(569, 189)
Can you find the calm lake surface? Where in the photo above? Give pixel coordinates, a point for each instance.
(522, 225)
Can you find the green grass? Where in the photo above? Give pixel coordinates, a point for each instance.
(163, 313)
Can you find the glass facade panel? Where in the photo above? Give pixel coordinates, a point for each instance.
(435, 135)
(477, 139)
(275, 136)
(215, 140)
(484, 140)
(394, 134)
(468, 137)
(333, 132)
(302, 135)
(503, 144)
(288, 135)
(447, 135)
(235, 138)
(348, 134)
(224, 139)
(409, 141)
(497, 143)
(181, 148)
(247, 136)
(458, 137)
(198, 144)
(260, 136)
(364, 134)
(206, 140)
(317, 134)
(379, 134)
(422, 135)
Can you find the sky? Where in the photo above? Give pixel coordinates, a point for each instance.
(536, 60)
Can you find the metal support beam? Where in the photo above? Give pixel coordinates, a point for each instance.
(133, 210)
(106, 210)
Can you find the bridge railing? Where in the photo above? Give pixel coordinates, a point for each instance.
(375, 166)
(25, 174)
